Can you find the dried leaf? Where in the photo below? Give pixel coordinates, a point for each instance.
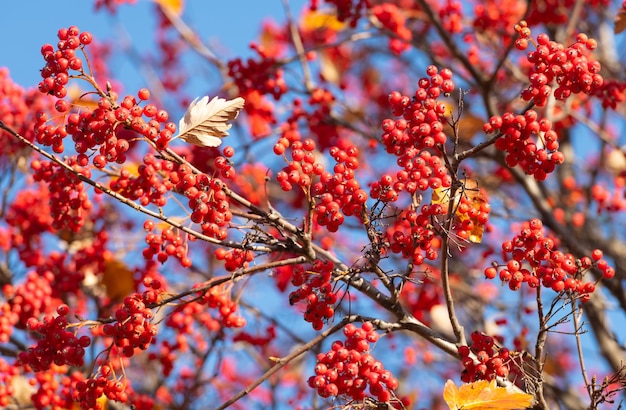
(206, 122)
(484, 395)
(173, 6)
(118, 280)
(620, 21)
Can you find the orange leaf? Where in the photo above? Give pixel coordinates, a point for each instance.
(173, 6)
(471, 191)
(484, 395)
(118, 280)
(314, 20)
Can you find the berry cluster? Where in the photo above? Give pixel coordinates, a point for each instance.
(393, 19)
(87, 392)
(104, 125)
(314, 286)
(497, 16)
(52, 393)
(132, 328)
(58, 62)
(148, 185)
(69, 202)
(612, 93)
(28, 300)
(94, 127)
(348, 369)
(421, 171)
(261, 340)
(339, 194)
(490, 361)
(57, 346)
(569, 67)
(169, 243)
(234, 258)
(412, 234)
(227, 308)
(528, 141)
(208, 202)
(451, 15)
(262, 75)
(423, 119)
(303, 166)
(7, 372)
(535, 260)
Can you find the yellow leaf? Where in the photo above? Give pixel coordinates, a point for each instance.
(173, 6)
(118, 280)
(314, 20)
(484, 395)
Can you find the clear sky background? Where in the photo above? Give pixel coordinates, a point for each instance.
(229, 26)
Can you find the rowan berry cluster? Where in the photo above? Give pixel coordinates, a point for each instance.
(529, 141)
(208, 202)
(348, 368)
(421, 171)
(186, 315)
(69, 202)
(7, 372)
(497, 16)
(52, 393)
(612, 93)
(97, 127)
(57, 345)
(303, 166)
(393, 19)
(570, 67)
(263, 75)
(261, 340)
(413, 236)
(423, 118)
(234, 258)
(490, 360)
(148, 185)
(87, 392)
(27, 300)
(535, 261)
(58, 62)
(132, 328)
(169, 243)
(340, 193)
(314, 286)
(451, 15)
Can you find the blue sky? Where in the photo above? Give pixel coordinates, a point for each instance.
(27, 25)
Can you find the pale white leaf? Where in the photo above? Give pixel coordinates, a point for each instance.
(206, 122)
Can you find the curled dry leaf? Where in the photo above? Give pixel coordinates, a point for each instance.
(206, 122)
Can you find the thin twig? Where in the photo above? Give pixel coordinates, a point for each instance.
(282, 362)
